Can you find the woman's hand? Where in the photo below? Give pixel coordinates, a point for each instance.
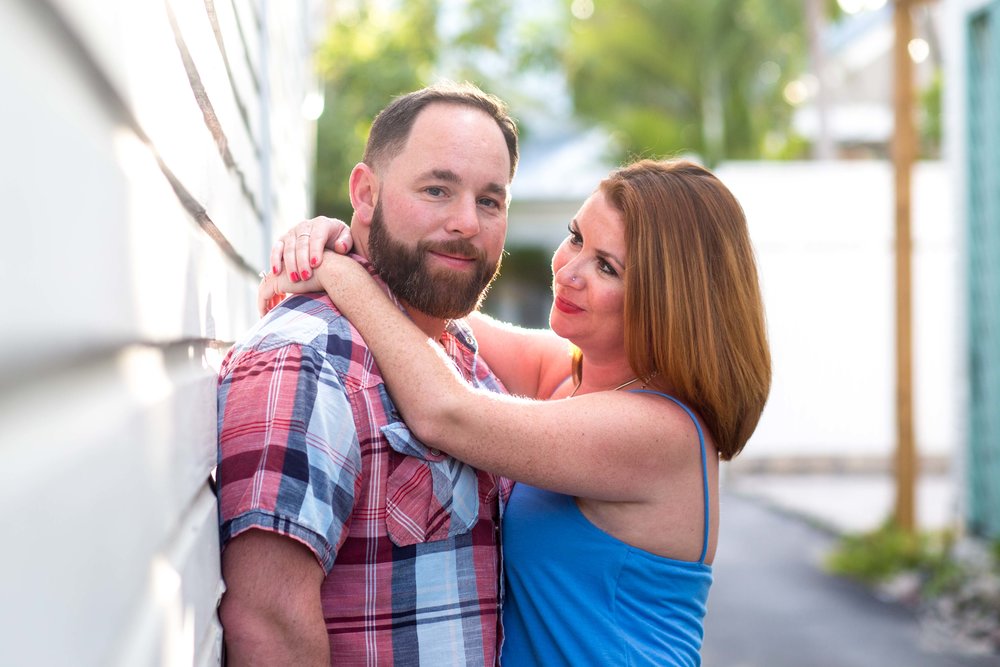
(268, 295)
(338, 276)
(300, 249)
(273, 289)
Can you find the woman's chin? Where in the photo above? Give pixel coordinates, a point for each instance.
(558, 324)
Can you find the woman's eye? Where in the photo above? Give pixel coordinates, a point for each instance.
(606, 268)
(574, 237)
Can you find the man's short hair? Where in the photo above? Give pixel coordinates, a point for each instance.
(392, 125)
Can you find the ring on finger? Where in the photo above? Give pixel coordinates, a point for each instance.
(298, 236)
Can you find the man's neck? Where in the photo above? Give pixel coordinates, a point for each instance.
(431, 326)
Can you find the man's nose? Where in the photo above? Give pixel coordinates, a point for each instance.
(463, 218)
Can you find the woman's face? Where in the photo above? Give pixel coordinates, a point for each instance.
(588, 285)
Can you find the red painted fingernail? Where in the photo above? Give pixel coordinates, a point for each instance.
(275, 269)
(305, 275)
(295, 277)
(314, 262)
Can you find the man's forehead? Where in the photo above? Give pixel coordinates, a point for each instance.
(451, 151)
(447, 120)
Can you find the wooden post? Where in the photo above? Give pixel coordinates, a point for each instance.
(903, 155)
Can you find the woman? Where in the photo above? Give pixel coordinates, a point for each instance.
(610, 532)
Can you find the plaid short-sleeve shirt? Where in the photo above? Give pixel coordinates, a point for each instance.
(312, 447)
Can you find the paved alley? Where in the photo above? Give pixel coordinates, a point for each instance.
(772, 605)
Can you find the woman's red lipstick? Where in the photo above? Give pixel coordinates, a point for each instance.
(567, 307)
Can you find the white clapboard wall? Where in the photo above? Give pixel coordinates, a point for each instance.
(147, 147)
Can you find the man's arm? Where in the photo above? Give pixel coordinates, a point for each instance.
(271, 612)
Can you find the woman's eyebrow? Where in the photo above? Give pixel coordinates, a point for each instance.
(603, 254)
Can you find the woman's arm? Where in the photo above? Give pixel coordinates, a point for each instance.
(607, 445)
(530, 362)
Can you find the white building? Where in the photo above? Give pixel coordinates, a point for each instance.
(146, 148)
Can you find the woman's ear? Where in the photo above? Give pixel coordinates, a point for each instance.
(364, 193)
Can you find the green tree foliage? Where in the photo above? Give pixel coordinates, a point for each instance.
(929, 117)
(484, 46)
(671, 76)
(375, 51)
(663, 76)
(485, 24)
(369, 56)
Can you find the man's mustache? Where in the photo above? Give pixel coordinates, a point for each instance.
(455, 248)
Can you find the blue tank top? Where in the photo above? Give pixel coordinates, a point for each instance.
(575, 595)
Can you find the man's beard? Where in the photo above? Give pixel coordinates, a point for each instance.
(442, 293)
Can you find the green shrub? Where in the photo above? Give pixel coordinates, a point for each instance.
(879, 555)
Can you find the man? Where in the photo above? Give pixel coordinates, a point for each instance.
(345, 540)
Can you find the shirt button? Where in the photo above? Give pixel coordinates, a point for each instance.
(435, 452)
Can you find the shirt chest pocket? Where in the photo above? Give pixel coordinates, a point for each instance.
(429, 496)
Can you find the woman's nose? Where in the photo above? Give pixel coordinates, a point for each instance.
(567, 276)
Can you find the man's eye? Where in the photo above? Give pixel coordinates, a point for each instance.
(434, 191)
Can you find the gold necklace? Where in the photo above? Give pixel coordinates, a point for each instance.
(621, 386)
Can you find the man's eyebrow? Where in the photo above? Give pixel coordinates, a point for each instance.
(449, 176)
(441, 175)
(497, 188)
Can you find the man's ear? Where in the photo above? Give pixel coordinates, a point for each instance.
(363, 188)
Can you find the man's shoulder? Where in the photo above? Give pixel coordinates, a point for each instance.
(307, 321)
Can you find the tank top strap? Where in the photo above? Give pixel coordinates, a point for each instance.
(704, 464)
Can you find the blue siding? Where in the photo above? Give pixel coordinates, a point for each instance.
(984, 269)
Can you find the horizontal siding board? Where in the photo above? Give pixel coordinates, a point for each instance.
(131, 450)
(64, 177)
(196, 557)
(209, 77)
(126, 260)
(290, 35)
(247, 14)
(133, 267)
(175, 620)
(209, 650)
(240, 47)
(145, 69)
